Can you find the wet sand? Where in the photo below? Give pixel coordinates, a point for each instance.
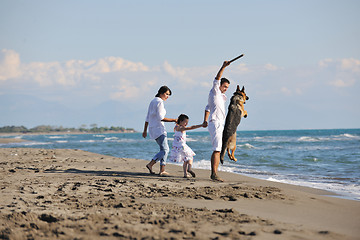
(73, 194)
(11, 140)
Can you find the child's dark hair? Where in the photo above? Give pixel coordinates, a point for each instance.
(162, 90)
(181, 118)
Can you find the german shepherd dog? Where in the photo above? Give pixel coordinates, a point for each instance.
(235, 112)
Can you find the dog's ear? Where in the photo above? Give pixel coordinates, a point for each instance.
(238, 88)
(243, 91)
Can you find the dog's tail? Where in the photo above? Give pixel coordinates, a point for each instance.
(222, 155)
(223, 151)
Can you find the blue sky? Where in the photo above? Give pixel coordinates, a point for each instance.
(67, 63)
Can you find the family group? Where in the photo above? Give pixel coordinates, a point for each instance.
(214, 119)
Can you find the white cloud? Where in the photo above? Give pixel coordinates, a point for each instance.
(119, 64)
(47, 74)
(341, 73)
(286, 91)
(270, 67)
(299, 91)
(67, 74)
(175, 72)
(94, 74)
(345, 64)
(125, 89)
(9, 64)
(240, 68)
(101, 66)
(325, 62)
(343, 83)
(113, 64)
(350, 64)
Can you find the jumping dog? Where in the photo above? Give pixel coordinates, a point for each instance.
(235, 112)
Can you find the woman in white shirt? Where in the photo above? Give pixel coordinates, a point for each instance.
(155, 122)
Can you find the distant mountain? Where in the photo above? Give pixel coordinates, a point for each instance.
(31, 111)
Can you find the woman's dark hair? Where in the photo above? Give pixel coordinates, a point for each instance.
(224, 80)
(162, 90)
(181, 118)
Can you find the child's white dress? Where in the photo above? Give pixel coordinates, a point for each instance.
(180, 151)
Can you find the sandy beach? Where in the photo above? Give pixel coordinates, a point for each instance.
(73, 194)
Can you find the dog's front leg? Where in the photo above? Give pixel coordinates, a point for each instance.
(245, 114)
(243, 111)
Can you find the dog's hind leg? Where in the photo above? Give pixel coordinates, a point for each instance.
(233, 153)
(229, 154)
(232, 146)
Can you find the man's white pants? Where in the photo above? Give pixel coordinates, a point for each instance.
(216, 131)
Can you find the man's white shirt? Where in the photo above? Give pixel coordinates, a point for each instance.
(216, 104)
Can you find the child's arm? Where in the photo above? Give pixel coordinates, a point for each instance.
(191, 127)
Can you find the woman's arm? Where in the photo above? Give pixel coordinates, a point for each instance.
(145, 129)
(169, 120)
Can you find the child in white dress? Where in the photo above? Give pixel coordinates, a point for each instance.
(180, 151)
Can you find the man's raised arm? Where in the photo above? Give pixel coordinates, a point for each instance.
(225, 64)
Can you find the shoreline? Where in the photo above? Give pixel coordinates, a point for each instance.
(64, 193)
(60, 133)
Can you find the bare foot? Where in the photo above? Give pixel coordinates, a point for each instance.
(192, 173)
(216, 178)
(187, 175)
(150, 170)
(164, 174)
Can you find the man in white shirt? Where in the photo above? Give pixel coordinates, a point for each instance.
(215, 113)
(155, 119)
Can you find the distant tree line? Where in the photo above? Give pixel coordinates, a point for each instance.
(47, 128)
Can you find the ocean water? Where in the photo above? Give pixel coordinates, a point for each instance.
(324, 159)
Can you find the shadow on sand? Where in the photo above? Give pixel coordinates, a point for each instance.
(112, 173)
